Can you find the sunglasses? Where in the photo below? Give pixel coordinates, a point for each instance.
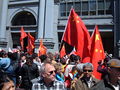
(51, 72)
(87, 70)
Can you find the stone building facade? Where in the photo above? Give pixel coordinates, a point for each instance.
(47, 19)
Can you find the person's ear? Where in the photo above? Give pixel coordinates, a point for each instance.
(43, 75)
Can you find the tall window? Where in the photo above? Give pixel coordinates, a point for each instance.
(86, 7)
(92, 8)
(101, 7)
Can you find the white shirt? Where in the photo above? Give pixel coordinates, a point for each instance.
(115, 87)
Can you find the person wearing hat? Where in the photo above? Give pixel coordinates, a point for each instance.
(112, 79)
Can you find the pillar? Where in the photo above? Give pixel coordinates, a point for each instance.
(3, 19)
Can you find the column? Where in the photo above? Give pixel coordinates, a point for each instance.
(49, 19)
(116, 28)
(45, 24)
(41, 17)
(3, 19)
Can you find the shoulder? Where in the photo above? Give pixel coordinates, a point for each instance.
(56, 82)
(59, 84)
(34, 65)
(98, 86)
(36, 80)
(5, 62)
(95, 80)
(79, 82)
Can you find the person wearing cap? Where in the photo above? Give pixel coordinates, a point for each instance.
(112, 79)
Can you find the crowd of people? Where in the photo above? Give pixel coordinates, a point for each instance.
(21, 71)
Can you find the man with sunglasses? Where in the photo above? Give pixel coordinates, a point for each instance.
(87, 81)
(48, 81)
(112, 79)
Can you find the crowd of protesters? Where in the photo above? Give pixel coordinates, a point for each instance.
(21, 71)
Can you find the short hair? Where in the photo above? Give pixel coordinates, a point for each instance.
(34, 55)
(3, 78)
(42, 69)
(43, 57)
(2, 53)
(51, 55)
(74, 57)
(58, 66)
(80, 67)
(88, 65)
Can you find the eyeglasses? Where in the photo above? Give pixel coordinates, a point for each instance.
(87, 70)
(51, 72)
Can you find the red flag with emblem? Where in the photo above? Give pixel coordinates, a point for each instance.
(97, 51)
(31, 44)
(77, 36)
(42, 49)
(23, 35)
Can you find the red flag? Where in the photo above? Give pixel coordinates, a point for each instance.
(97, 51)
(62, 51)
(76, 35)
(23, 35)
(42, 49)
(31, 44)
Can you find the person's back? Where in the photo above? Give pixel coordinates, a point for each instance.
(6, 65)
(28, 72)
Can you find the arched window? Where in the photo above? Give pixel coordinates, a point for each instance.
(23, 18)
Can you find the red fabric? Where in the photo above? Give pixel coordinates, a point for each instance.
(23, 35)
(97, 51)
(62, 51)
(77, 35)
(31, 44)
(42, 48)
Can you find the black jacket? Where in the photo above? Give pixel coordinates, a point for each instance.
(28, 72)
(104, 85)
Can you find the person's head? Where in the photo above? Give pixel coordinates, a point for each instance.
(48, 72)
(5, 82)
(34, 55)
(77, 59)
(87, 69)
(43, 58)
(63, 61)
(114, 69)
(74, 58)
(12, 56)
(29, 60)
(51, 56)
(58, 67)
(22, 56)
(3, 54)
(79, 68)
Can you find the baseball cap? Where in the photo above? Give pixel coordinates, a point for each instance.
(115, 63)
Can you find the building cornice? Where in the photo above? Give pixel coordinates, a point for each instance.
(22, 2)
